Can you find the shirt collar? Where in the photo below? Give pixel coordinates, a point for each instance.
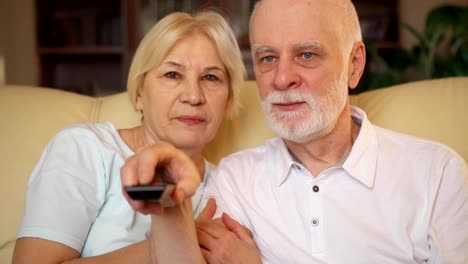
(360, 164)
(282, 160)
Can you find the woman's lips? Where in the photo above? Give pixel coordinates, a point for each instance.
(191, 120)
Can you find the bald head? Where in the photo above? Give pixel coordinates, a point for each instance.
(338, 16)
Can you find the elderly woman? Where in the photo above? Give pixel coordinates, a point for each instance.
(184, 80)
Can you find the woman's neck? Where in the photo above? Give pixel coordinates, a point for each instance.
(137, 138)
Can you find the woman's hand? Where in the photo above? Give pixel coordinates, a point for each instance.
(156, 163)
(224, 240)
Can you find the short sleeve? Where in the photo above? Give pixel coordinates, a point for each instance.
(66, 190)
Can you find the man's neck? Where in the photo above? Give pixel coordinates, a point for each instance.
(322, 153)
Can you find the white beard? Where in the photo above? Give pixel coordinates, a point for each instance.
(310, 123)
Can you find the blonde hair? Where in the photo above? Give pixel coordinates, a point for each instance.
(159, 40)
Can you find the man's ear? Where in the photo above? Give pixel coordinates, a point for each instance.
(357, 62)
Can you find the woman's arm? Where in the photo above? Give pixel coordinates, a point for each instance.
(173, 233)
(173, 236)
(37, 250)
(224, 240)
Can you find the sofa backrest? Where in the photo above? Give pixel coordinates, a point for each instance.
(30, 116)
(434, 109)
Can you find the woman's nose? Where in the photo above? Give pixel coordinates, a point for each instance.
(193, 93)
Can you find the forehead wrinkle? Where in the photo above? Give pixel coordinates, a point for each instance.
(182, 67)
(174, 64)
(213, 68)
(308, 44)
(258, 48)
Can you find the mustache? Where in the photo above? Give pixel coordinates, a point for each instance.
(283, 97)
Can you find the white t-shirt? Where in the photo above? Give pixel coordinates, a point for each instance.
(395, 199)
(75, 195)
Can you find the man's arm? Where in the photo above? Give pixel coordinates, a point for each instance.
(448, 234)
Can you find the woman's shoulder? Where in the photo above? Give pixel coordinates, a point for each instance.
(91, 135)
(104, 129)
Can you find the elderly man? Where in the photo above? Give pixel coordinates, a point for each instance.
(333, 188)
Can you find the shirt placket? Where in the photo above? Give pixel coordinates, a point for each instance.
(316, 220)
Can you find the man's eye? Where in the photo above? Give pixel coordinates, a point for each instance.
(210, 77)
(307, 55)
(172, 75)
(268, 59)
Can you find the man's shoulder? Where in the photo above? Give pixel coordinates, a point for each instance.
(412, 145)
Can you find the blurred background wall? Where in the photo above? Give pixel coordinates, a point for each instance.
(17, 34)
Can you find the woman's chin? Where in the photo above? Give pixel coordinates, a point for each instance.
(190, 144)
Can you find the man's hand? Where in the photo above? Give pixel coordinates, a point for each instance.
(160, 161)
(224, 240)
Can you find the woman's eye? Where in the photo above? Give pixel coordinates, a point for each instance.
(210, 77)
(172, 75)
(307, 55)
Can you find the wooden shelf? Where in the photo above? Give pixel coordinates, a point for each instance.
(83, 50)
(94, 40)
(85, 46)
(379, 21)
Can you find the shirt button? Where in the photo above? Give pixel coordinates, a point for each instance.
(315, 221)
(315, 188)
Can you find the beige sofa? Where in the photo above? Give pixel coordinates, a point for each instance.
(30, 116)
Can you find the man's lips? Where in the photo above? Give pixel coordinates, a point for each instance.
(190, 120)
(290, 106)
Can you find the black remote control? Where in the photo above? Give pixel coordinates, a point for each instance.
(154, 193)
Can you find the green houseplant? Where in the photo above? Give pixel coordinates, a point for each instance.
(441, 51)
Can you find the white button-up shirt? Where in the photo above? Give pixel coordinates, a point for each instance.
(395, 199)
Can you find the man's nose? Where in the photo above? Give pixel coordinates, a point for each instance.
(286, 77)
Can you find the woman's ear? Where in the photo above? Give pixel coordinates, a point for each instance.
(139, 103)
(227, 111)
(357, 62)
